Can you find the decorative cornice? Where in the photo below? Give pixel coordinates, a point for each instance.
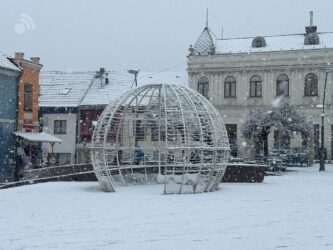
(30, 64)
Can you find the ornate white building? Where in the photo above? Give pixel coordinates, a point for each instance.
(240, 74)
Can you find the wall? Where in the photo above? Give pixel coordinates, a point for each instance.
(268, 65)
(68, 144)
(28, 120)
(8, 115)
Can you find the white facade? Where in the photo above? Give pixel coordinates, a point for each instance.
(68, 137)
(236, 57)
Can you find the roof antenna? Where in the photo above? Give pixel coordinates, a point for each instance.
(207, 17)
(222, 33)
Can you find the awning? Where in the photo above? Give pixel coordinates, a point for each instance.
(38, 137)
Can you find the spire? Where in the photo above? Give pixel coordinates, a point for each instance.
(207, 17)
(205, 44)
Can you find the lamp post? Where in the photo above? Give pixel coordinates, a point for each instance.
(322, 162)
(135, 73)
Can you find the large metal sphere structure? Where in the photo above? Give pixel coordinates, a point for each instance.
(160, 133)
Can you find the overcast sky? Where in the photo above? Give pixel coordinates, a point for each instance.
(142, 34)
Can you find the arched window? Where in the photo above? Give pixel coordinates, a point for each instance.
(258, 42)
(282, 85)
(203, 86)
(311, 85)
(27, 97)
(255, 86)
(230, 87)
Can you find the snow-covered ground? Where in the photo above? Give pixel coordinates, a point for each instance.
(294, 211)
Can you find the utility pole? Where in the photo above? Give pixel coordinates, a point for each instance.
(322, 161)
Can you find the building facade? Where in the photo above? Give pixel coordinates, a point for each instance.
(70, 104)
(242, 74)
(9, 80)
(60, 97)
(28, 93)
(102, 92)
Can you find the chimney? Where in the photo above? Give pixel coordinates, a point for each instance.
(312, 28)
(35, 59)
(19, 56)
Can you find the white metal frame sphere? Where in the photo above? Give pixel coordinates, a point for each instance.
(161, 133)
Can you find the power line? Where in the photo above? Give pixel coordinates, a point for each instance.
(164, 70)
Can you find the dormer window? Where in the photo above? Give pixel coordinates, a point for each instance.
(258, 42)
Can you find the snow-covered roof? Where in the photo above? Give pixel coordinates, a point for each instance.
(6, 63)
(72, 89)
(172, 77)
(38, 137)
(101, 94)
(121, 81)
(273, 43)
(63, 89)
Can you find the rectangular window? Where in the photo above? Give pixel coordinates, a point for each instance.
(227, 90)
(27, 97)
(258, 90)
(203, 88)
(233, 90)
(230, 89)
(255, 89)
(59, 127)
(311, 85)
(313, 90)
(282, 88)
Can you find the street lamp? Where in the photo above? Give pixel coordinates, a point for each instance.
(135, 73)
(322, 162)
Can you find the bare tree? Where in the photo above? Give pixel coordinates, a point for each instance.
(283, 117)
